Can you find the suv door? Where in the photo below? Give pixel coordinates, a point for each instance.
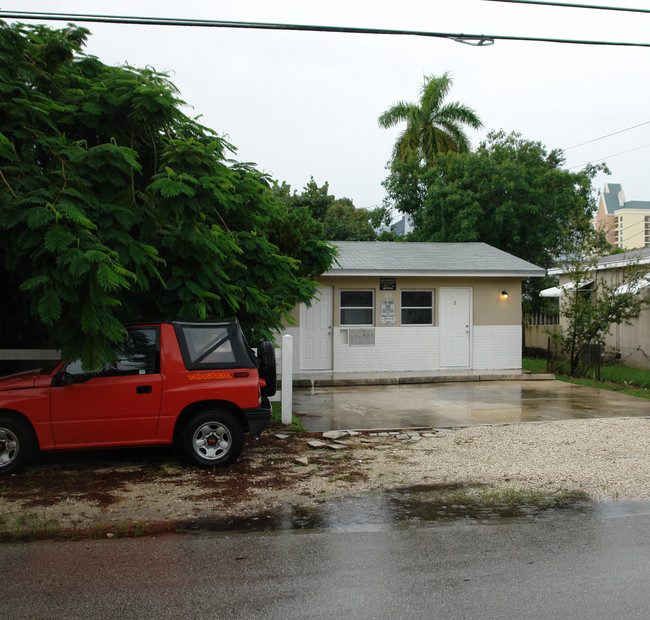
(119, 405)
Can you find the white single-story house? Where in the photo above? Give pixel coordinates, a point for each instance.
(401, 306)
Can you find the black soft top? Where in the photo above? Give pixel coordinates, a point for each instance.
(210, 344)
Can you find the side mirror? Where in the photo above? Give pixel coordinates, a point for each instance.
(66, 378)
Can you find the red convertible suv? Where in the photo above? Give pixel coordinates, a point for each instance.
(194, 384)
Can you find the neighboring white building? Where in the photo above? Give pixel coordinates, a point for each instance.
(631, 342)
(392, 306)
(401, 227)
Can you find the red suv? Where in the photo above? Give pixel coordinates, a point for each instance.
(194, 384)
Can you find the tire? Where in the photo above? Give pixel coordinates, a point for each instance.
(212, 438)
(17, 444)
(267, 369)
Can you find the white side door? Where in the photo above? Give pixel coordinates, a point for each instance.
(455, 327)
(316, 331)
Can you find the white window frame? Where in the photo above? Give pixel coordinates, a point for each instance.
(432, 307)
(371, 307)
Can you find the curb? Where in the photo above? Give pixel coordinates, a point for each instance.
(341, 381)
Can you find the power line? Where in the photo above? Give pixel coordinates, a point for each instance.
(575, 146)
(469, 39)
(594, 161)
(573, 5)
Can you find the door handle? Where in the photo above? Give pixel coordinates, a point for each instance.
(143, 389)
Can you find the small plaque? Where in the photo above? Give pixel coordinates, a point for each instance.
(387, 317)
(387, 284)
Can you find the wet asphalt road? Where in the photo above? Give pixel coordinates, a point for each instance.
(587, 565)
(457, 404)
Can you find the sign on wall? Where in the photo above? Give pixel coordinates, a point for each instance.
(387, 313)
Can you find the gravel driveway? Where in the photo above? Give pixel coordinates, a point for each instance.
(115, 491)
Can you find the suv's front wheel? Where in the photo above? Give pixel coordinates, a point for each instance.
(17, 444)
(212, 438)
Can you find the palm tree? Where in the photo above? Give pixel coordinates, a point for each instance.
(431, 127)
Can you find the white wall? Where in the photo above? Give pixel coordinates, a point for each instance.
(395, 349)
(417, 348)
(497, 347)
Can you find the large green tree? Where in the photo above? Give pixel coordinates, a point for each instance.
(340, 219)
(511, 193)
(343, 222)
(432, 126)
(114, 205)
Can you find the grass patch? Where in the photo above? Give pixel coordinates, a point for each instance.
(544, 500)
(30, 527)
(480, 501)
(276, 420)
(630, 381)
(27, 527)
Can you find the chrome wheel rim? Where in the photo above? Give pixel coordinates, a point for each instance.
(9, 447)
(212, 441)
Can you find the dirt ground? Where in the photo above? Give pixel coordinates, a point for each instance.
(129, 491)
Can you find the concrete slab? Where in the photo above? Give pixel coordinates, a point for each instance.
(436, 405)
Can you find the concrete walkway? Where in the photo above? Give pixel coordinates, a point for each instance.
(406, 402)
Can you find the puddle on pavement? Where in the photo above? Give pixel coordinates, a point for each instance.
(420, 505)
(457, 404)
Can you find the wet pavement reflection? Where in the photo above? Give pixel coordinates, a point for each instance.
(436, 505)
(457, 404)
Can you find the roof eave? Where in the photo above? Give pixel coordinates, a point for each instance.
(556, 271)
(411, 273)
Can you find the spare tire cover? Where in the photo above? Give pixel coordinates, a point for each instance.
(267, 370)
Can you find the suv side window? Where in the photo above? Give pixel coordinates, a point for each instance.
(138, 355)
(206, 346)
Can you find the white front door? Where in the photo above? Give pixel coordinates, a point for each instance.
(455, 327)
(316, 331)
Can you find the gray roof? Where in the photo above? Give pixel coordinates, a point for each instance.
(636, 204)
(613, 202)
(611, 197)
(388, 258)
(615, 261)
(624, 258)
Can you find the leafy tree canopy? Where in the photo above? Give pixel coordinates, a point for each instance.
(345, 223)
(116, 206)
(511, 193)
(340, 219)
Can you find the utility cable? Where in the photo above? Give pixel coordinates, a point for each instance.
(573, 5)
(593, 161)
(575, 146)
(469, 39)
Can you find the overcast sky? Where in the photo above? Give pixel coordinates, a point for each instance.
(300, 104)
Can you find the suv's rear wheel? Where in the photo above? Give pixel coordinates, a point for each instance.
(267, 369)
(212, 438)
(17, 444)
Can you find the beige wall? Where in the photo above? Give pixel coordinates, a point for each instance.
(631, 226)
(609, 224)
(625, 229)
(488, 307)
(538, 335)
